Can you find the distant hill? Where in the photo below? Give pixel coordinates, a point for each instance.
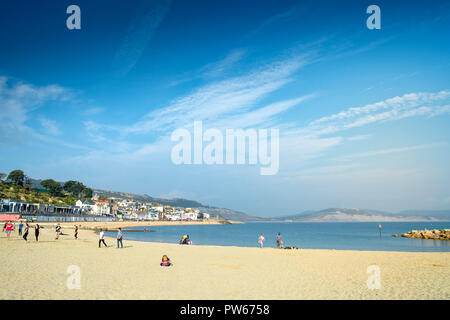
(182, 203)
(177, 202)
(231, 215)
(362, 215)
(326, 215)
(441, 214)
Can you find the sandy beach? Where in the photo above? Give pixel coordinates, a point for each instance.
(39, 271)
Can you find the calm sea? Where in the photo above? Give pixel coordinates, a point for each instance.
(340, 236)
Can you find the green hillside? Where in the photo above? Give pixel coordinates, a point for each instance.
(28, 194)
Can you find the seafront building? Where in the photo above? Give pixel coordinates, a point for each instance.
(18, 206)
(110, 208)
(87, 206)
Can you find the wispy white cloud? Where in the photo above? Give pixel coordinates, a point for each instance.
(212, 70)
(18, 100)
(314, 139)
(49, 126)
(395, 150)
(359, 137)
(272, 20)
(220, 67)
(236, 102)
(139, 34)
(221, 99)
(396, 108)
(264, 116)
(233, 102)
(93, 111)
(406, 101)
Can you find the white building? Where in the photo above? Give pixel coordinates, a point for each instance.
(141, 216)
(206, 215)
(190, 215)
(153, 215)
(158, 208)
(87, 206)
(174, 217)
(101, 208)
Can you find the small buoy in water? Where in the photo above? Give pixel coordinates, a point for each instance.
(146, 229)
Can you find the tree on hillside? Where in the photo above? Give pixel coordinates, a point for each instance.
(74, 187)
(54, 188)
(88, 193)
(69, 186)
(27, 182)
(17, 176)
(2, 176)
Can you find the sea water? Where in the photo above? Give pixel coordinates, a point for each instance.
(305, 235)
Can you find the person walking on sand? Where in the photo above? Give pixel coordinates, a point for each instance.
(119, 238)
(36, 232)
(20, 228)
(261, 240)
(76, 233)
(9, 227)
(25, 233)
(58, 231)
(101, 239)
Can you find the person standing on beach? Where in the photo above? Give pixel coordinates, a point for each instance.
(4, 226)
(101, 239)
(58, 231)
(119, 238)
(36, 232)
(9, 227)
(25, 233)
(76, 233)
(20, 228)
(261, 240)
(279, 241)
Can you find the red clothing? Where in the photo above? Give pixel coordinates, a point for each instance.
(9, 226)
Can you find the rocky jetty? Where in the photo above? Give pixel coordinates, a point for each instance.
(443, 234)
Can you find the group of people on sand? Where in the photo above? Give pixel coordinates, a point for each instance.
(279, 241)
(165, 261)
(119, 238)
(23, 230)
(58, 232)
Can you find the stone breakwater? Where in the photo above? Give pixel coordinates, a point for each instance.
(443, 234)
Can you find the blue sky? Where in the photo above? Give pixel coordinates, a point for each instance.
(363, 114)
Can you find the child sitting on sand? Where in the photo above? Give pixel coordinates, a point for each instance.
(165, 261)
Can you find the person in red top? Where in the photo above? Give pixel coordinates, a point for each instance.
(9, 228)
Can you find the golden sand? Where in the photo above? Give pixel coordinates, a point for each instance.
(39, 271)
